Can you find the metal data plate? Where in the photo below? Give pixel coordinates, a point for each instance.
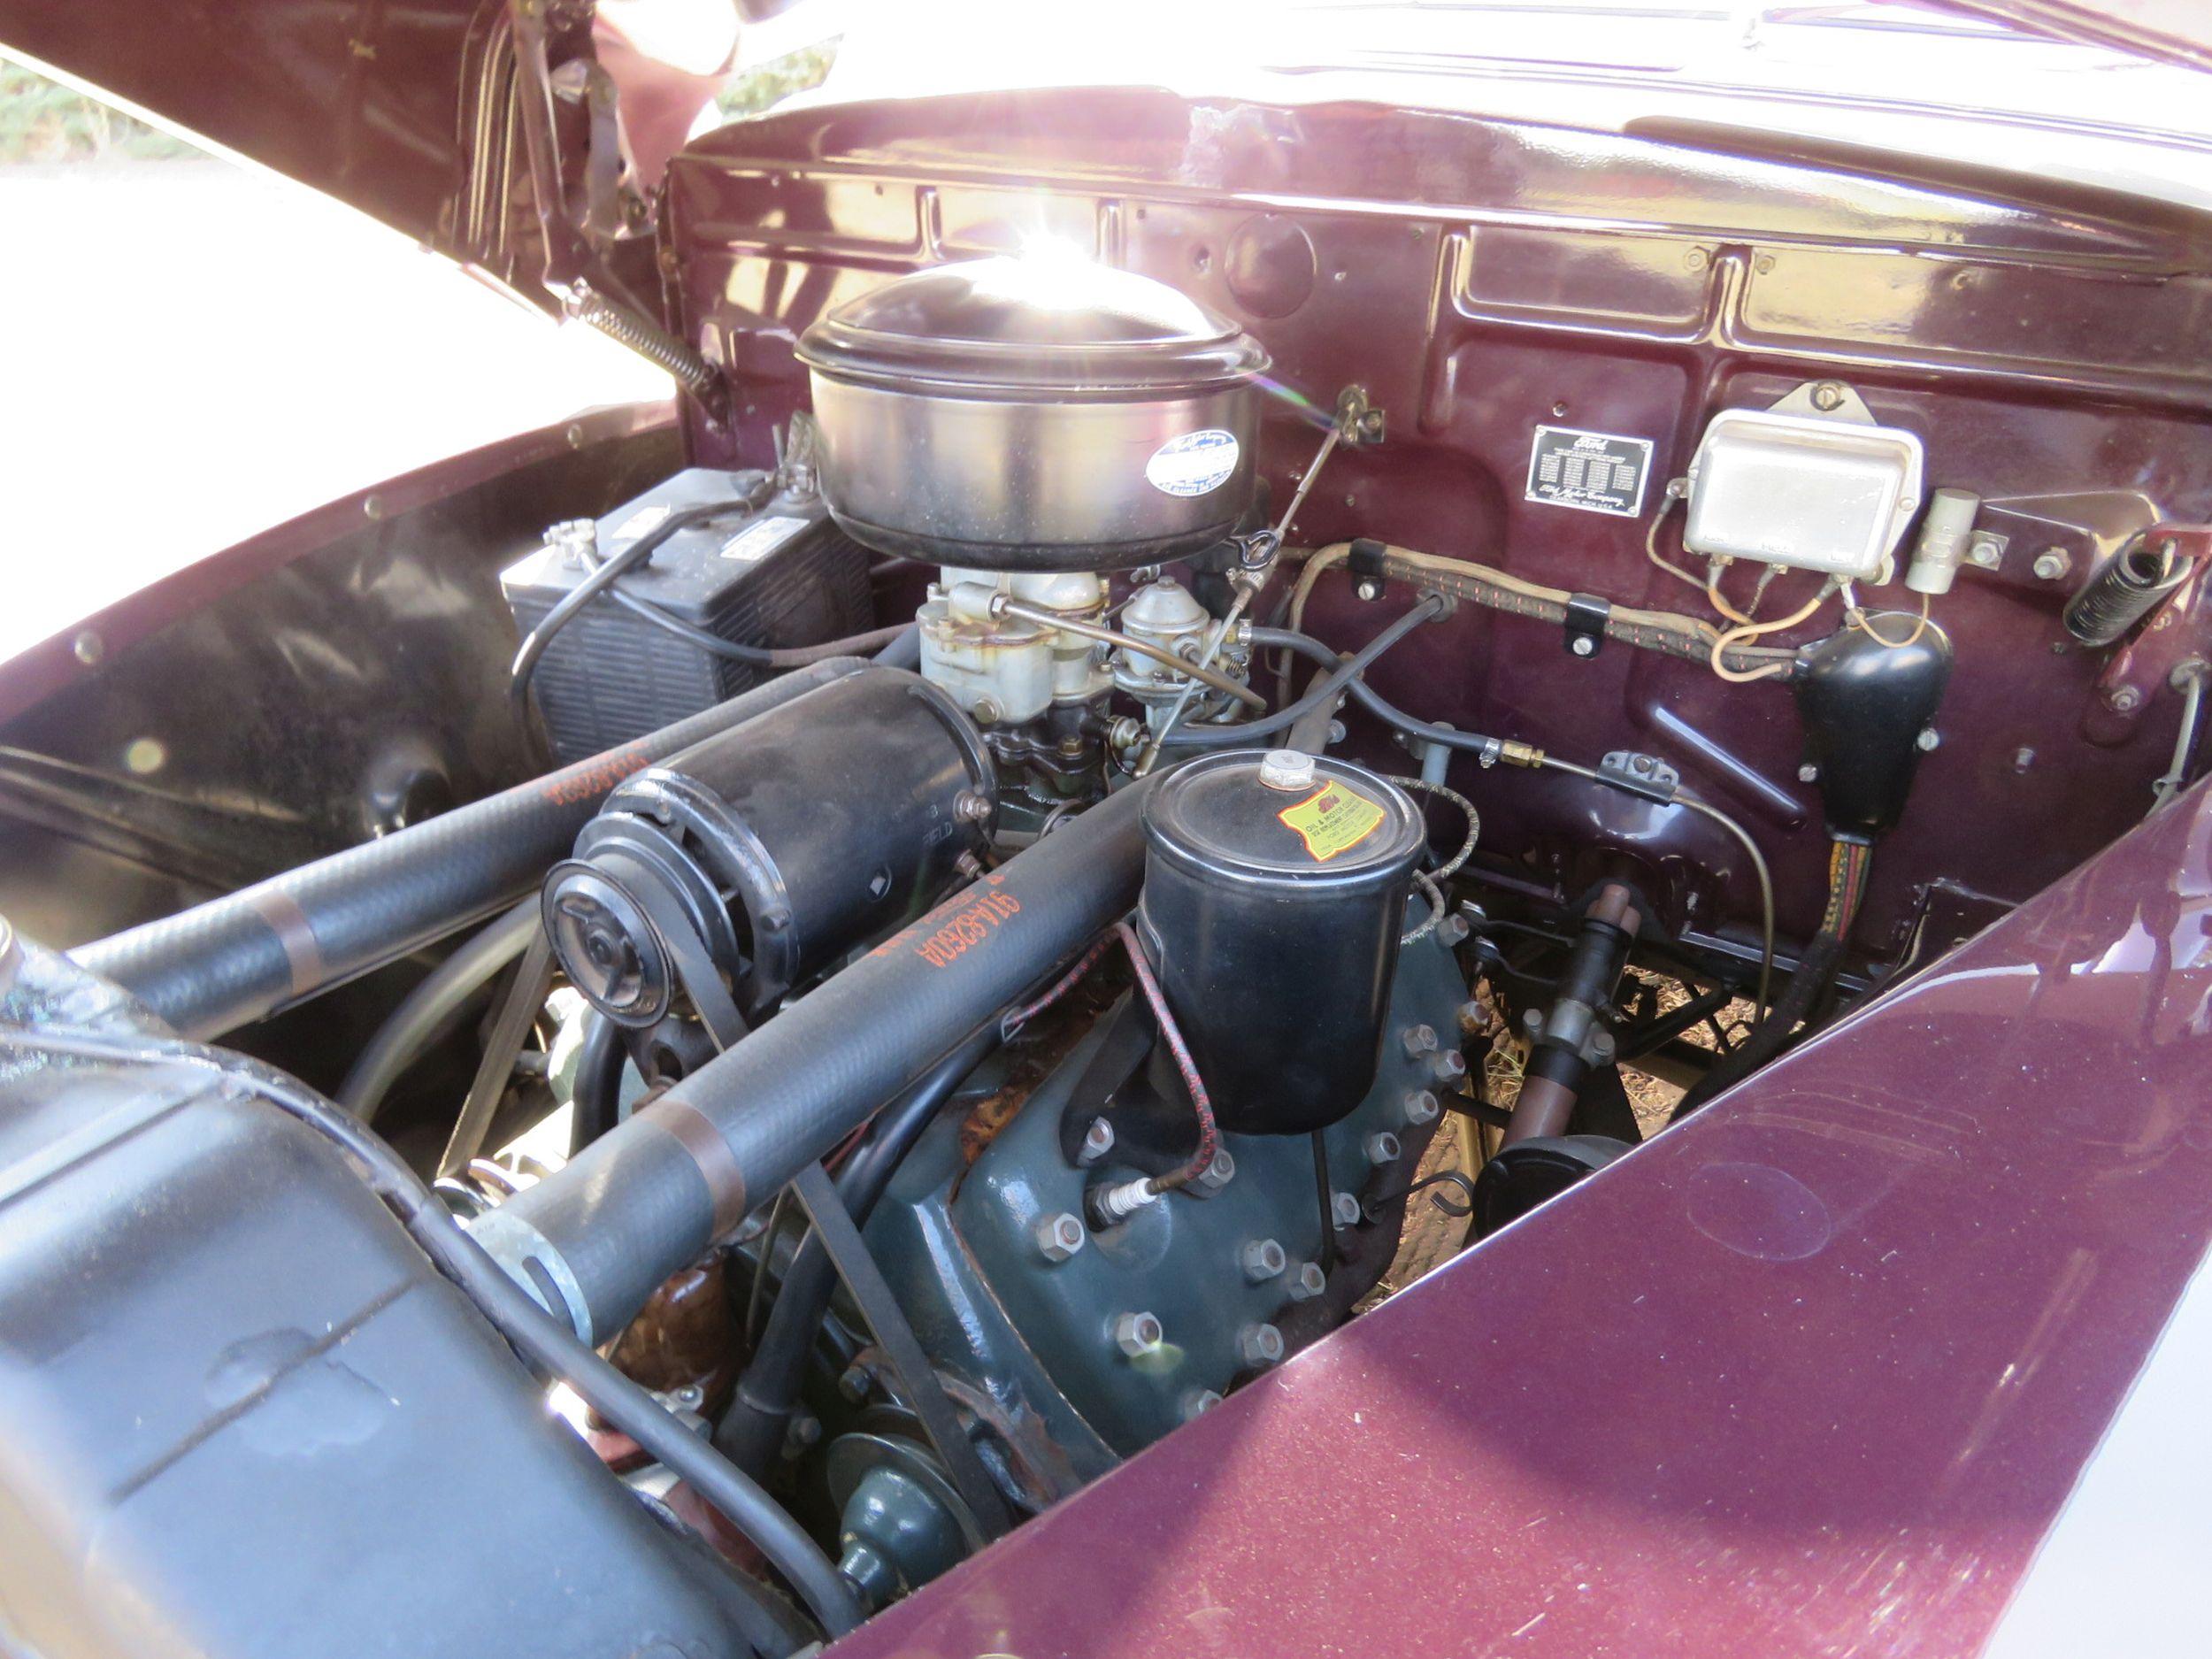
(1819, 494)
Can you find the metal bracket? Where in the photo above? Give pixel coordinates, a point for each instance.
(1645, 775)
(1358, 421)
(1584, 622)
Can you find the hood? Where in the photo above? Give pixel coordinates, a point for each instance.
(2166, 31)
(527, 137)
(488, 133)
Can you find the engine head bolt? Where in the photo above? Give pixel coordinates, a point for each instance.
(1216, 1175)
(1382, 1148)
(1453, 930)
(1448, 1067)
(1198, 1403)
(1418, 1040)
(1137, 1334)
(1310, 1282)
(1059, 1236)
(1261, 1259)
(1098, 1140)
(1420, 1108)
(1259, 1345)
(1474, 1015)
(1344, 1209)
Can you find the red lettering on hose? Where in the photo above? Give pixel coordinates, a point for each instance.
(591, 779)
(968, 926)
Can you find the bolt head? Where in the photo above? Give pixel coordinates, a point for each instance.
(1059, 1236)
(2127, 699)
(1344, 1209)
(1310, 1282)
(1421, 1108)
(856, 1382)
(1259, 1345)
(1098, 1140)
(1216, 1174)
(1448, 1067)
(1198, 1403)
(1454, 929)
(1828, 396)
(1929, 741)
(1136, 1334)
(1532, 1021)
(2051, 563)
(1366, 589)
(1418, 1040)
(1808, 773)
(1583, 645)
(1261, 1259)
(1382, 1147)
(88, 648)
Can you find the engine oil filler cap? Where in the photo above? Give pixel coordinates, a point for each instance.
(1288, 768)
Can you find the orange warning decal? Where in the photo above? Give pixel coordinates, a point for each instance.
(1332, 819)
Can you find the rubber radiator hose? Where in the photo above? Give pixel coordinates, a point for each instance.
(595, 1239)
(222, 965)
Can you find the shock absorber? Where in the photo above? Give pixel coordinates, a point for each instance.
(1570, 1037)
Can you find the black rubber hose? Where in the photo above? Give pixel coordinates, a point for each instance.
(431, 1007)
(598, 1237)
(1817, 970)
(538, 1337)
(752, 1429)
(221, 964)
(1366, 696)
(1343, 674)
(595, 1100)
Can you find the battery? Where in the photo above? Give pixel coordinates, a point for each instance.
(777, 575)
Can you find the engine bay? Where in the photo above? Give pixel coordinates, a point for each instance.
(1199, 723)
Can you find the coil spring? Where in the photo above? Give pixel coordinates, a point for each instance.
(2123, 590)
(697, 375)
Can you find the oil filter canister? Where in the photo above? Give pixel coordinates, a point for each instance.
(1274, 893)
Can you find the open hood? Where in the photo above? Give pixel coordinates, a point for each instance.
(2168, 31)
(488, 129)
(485, 131)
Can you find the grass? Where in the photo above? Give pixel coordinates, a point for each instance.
(44, 120)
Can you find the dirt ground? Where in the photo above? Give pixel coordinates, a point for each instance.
(1432, 1234)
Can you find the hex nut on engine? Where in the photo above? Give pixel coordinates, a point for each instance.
(1137, 1334)
(1098, 1140)
(1420, 1108)
(1418, 1040)
(1448, 1067)
(1261, 1259)
(1344, 1209)
(1216, 1175)
(1382, 1148)
(1310, 1282)
(1059, 1236)
(1259, 1345)
(1198, 1403)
